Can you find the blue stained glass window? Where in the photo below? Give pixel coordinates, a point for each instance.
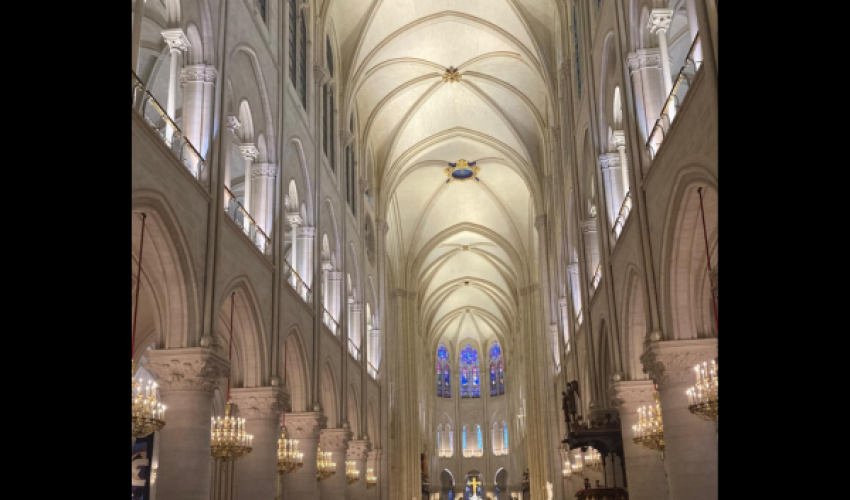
(479, 437)
(464, 437)
(447, 382)
(493, 386)
(439, 380)
(495, 351)
(469, 355)
(505, 428)
(442, 353)
(501, 378)
(476, 386)
(464, 383)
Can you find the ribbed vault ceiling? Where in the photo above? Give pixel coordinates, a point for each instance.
(466, 246)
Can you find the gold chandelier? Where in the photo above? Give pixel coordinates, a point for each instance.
(649, 430)
(148, 414)
(289, 459)
(371, 479)
(351, 473)
(228, 440)
(568, 471)
(325, 467)
(593, 460)
(703, 396)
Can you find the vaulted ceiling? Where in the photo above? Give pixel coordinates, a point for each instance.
(465, 246)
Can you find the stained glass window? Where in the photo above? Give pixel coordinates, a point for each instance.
(476, 383)
(442, 353)
(479, 437)
(469, 355)
(495, 363)
(464, 383)
(447, 381)
(495, 351)
(439, 380)
(493, 386)
(470, 381)
(505, 430)
(463, 437)
(501, 377)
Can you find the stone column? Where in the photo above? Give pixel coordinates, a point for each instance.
(659, 22)
(197, 82)
(613, 179)
(355, 313)
(644, 68)
(336, 284)
(304, 427)
(691, 454)
(263, 179)
(647, 479)
(327, 296)
(233, 124)
(572, 270)
(618, 139)
(306, 239)
(295, 220)
(256, 472)
(250, 153)
(187, 378)
(693, 27)
(373, 461)
(335, 441)
(591, 249)
(177, 42)
(358, 451)
(138, 16)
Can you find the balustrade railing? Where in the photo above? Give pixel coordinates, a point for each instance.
(580, 317)
(373, 372)
(330, 322)
(473, 453)
(445, 453)
(159, 120)
(295, 281)
(244, 220)
(353, 350)
(500, 452)
(662, 124)
(620, 221)
(597, 276)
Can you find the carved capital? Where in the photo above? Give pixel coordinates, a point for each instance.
(294, 219)
(672, 362)
(321, 75)
(233, 123)
(345, 138)
(618, 139)
(355, 307)
(196, 73)
(261, 402)
(644, 59)
(609, 160)
(588, 226)
(573, 269)
(382, 226)
(357, 450)
(263, 170)
(306, 232)
(176, 39)
(188, 369)
(659, 20)
(306, 425)
(334, 439)
(539, 221)
(629, 396)
(249, 150)
(335, 275)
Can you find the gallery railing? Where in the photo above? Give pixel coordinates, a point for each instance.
(244, 220)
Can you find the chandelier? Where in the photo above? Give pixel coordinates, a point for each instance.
(351, 474)
(649, 430)
(703, 396)
(474, 453)
(445, 453)
(289, 459)
(228, 440)
(593, 460)
(325, 467)
(568, 471)
(577, 467)
(371, 479)
(148, 413)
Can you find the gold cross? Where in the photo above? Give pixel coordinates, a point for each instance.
(474, 484)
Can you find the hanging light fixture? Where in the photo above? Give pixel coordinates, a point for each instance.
(568, 471)
(351, 473)
(289, 459)
(703, 396)
(649, 431)
(228, 439)
(371, 479)
(148, 413)
(593, 460)
(325, 466)
(577, 467)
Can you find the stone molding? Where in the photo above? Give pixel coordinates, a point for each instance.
(642, 59)
(382, 226)
(263, 170)
(618, 139)
(345, 137)
(306, 232)
(260, 402)
(609, 160)
(335, 440)
(364, 186)
(629, 396)
(589, 226)
(672, 362)
(335, 275)
(187, 369)
(294, 218)
(176, 39)
(375, 454)
(249, 150)
(197, 73)
(659, 20)
(321, 75)
(539, 221)
(355, 307)
(233, 123)
(358, 450)
(573, 268)
(306, 425)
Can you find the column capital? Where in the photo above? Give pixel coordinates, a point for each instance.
(187, 369)
(176, 39)
(321, 75)
(572, 268)
(294, 219)
(197, 73)
(659, 20)
(334, 439)
(306, 425)
(260, 402)
(629, 396)
(562, 301)
(355, 307)
(326, 265)
(249, 150)
(375, 454)
(643, 59)
(609, 160)
(335, 275)
(233, 123)
(588, 226)
(382, 226)
(345, 138)
(358, 450)
(263, 170)
(618, 139)
(539, 221)
(306, 232)
(672, 362)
